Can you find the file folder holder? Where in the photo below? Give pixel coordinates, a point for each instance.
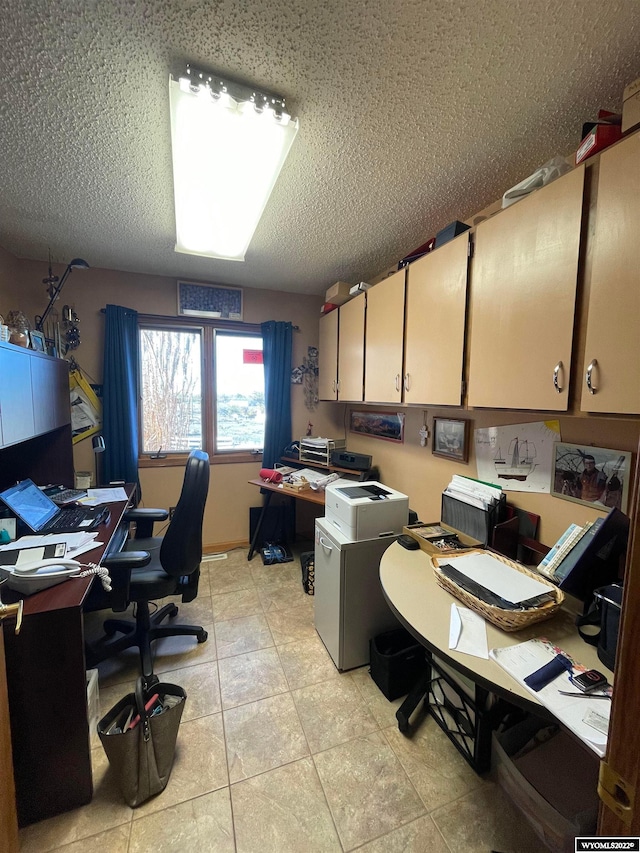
(472, 520)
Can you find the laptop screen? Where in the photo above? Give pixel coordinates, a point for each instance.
(30, 504)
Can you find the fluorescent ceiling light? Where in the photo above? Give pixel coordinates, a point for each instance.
(227, 155)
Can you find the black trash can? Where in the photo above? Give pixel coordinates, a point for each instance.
(396, 662)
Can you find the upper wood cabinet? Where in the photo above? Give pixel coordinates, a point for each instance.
(351, 350)
(522, 304)
(612, 350)
(383, 372)
(34, 394)
(435, 325)
(328, 357)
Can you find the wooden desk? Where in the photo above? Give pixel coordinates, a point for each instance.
(424, 608)
(307, 495)
(46, 679)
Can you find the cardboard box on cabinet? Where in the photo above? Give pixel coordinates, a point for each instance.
(631, 106)
(338, 293)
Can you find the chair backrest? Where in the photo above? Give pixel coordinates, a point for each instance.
(181, 548)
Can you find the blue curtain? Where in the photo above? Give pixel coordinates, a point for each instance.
(276, 346)
(120, 395)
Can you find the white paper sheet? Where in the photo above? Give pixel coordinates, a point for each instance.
(468, 632)
(104, 496)
(501, 579)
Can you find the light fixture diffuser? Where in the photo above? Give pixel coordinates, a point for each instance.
(227, 155)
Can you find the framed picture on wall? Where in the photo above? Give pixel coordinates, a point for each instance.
(387, 425)
(594, 476)
(451, 439)
(209, 300)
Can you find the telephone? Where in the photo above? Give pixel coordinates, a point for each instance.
(50, 566)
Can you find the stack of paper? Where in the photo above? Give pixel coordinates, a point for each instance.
(76, 543)
(474, 492)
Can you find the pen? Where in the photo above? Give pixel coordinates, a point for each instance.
(585, 695)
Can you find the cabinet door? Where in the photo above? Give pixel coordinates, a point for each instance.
(612, 348)
(328, 357)
(522, 305)
(436, 310)
(385, 340)
(16, 403)
(50, 387)
(351, 350)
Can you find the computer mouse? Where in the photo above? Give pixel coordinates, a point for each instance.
(408, 542)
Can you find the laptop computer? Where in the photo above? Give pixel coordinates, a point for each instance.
(42, 515)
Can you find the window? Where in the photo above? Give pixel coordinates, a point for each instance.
(202, 386)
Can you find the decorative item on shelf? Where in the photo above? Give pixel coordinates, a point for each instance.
(37, 341)
(98, 447)
(19, 328)
(5, 334)
(72, 332)
(55, 287)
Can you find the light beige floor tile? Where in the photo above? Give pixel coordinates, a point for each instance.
(281, 595)
(382, 709)
(111, 841)
(368, 792)
(202, 825)
(276, 573)
(200, 765)
(122, 669)
(485, 820)
(420, 836)
(196, 612)
(294, 624)
(202, 686)
(178, 652)
(438, 772)
(249, 677)
(306, 662)
(333, 712)
(246, 634)
(106, 811)
(233, 605)
(224, 578)
(263, 735)
(283, 810)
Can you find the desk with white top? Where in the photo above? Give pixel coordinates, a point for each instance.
(424, 608)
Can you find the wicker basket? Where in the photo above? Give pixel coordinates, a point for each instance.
(507, 620)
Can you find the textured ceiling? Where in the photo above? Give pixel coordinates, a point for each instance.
(411, 114)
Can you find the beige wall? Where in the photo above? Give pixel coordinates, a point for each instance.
(408, 467)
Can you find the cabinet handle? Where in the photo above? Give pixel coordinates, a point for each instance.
(592, 388)
(556, 371)
(397, 381)
(407, 382)
(325, 544)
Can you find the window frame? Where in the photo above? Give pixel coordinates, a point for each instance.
(208, 329)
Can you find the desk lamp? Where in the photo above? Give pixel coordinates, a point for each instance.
(55, 287)
(98, 447)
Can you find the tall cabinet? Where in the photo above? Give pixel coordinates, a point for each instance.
(611, 380)
(523, 292)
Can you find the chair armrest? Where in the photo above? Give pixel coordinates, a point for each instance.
(119, 566)
(144, 520)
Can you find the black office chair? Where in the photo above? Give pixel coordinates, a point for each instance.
(149, 568)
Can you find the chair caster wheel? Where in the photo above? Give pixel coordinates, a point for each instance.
(173, 612)
(202, 636)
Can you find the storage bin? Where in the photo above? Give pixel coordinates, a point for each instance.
(396, 662)
(553, 785)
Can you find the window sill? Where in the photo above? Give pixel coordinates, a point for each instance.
(173, 460)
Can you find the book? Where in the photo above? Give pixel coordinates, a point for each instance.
(571, 558)
(562, 547)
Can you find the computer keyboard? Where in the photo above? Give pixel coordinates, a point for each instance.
(67, 518)
(65, 496)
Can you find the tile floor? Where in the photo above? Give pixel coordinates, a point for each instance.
(277, 751)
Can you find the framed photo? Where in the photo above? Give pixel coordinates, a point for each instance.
(594, 476)
(38, 342)
(209, 300)
(451, 439)
(387, 425)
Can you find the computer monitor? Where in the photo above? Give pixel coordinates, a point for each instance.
(595, 559)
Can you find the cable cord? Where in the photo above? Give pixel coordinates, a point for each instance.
(95, 569)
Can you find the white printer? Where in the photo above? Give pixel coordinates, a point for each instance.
(365, 510)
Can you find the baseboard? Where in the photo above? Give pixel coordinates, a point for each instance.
(224, 546)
